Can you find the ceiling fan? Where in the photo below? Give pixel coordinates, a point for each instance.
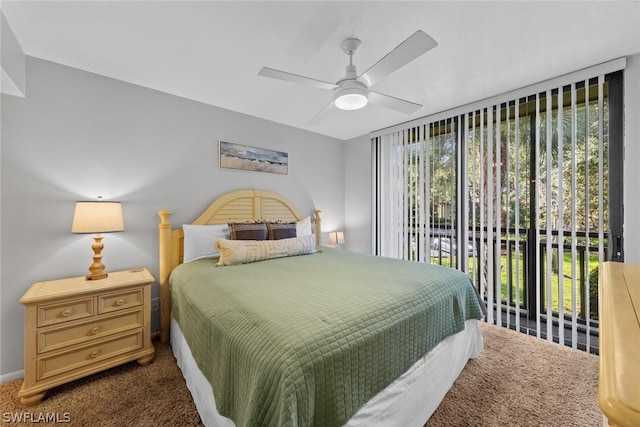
(353, 92)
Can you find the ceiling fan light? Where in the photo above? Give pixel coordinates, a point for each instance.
(353, 101)
(351, 98)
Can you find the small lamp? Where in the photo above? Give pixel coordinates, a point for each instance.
(97, 217)
(336, 238)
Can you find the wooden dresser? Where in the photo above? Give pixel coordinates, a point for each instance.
(619, 376)
(76, 327)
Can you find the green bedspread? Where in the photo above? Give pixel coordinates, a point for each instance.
(307, 340)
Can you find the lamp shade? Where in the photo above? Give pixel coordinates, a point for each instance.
(336, 238)
(97, 217)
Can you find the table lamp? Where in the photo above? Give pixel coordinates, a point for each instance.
(336, 238)
(97, 217)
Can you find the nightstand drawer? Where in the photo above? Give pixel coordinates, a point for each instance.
(65, 336)
(120, 300)
(56, 364)
(66, 311)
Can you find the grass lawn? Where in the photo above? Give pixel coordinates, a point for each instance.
(566, 280)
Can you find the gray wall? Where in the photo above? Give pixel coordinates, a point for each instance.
(12, 61)
(631, 159)
(78, 135)
(358, 185)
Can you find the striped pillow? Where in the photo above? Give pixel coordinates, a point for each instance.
(281, 230)
(248, 230)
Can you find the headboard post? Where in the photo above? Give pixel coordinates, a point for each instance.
(318, 222)
(165, 267)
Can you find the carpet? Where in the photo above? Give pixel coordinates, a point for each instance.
(516, 381)
(519, 380)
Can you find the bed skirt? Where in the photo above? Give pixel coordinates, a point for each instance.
(408, 401)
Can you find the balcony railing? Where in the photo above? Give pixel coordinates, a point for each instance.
(573, 276)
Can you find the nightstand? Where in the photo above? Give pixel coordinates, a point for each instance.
(76, 327)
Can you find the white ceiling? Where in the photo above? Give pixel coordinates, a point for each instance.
(211, 51)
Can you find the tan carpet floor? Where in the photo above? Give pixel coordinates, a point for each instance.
(516, 381)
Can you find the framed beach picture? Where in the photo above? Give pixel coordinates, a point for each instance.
(246, 158)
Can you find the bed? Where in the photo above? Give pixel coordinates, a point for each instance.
(327, 338)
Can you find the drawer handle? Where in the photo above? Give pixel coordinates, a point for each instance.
(120, 301)
(94, 354)
(95, 330)
(67, 312)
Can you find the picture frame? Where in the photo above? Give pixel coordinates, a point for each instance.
(254, 159)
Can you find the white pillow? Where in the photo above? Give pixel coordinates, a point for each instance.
(200, 240)
(303, 227)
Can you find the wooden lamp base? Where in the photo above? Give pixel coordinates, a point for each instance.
(97, 268)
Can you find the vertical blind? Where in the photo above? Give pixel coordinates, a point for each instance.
(512, 190)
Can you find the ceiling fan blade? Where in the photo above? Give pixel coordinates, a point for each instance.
(321, 115)
(417, 44)
(392, 103)
(294, 78)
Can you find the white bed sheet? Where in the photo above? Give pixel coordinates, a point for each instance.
(408, 401)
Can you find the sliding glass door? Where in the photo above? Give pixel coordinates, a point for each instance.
(524, 195)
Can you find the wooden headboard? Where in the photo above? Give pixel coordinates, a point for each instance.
(236, 206)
